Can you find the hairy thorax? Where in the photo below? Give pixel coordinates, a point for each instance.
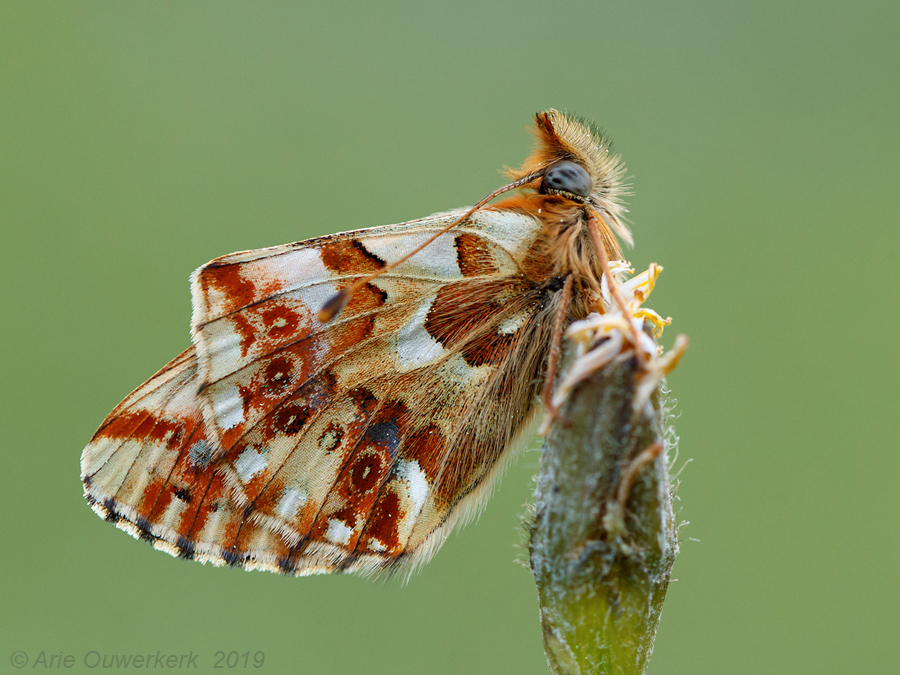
(564, 247)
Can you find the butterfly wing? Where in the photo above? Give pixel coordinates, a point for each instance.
(354, 445)
(142, 463)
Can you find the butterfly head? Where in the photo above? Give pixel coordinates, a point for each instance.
(567, 179)
(575, 161)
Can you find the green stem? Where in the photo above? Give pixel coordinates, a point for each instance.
(601, 572)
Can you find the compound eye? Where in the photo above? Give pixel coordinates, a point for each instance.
(566, 176)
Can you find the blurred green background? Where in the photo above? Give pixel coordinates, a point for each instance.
(140, 140)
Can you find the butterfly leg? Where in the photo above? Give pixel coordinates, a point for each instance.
(555, 345)
(638, 463)
(614, 520)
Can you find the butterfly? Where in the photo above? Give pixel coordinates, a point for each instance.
(347, 400)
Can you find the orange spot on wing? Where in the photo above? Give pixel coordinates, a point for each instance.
(474, 256)
(367, 298)
(235, 290)
(427, 447)
(454, 315)
(280, 321)
(489, 349)
(150, 496)
(209, 504)
(122, 426)
(349, 256)
(276, 379)
(347, 335)
(142, 425)
(382, 525)
(227, 279)
(290, 419)
(458, 315)
(245, 330)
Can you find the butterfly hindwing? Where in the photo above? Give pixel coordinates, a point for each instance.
(141, 468)
(290, 445)
(381, 469)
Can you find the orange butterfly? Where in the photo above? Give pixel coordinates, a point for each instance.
(349, 399)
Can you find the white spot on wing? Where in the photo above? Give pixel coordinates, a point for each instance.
(291, 270)
(513, 231)
(110, 476)
(214, 529)
(228, 407)
(171, 517)
(417, 483)
(302, 272)
(338, 532)
(223, 347)
(375, 545)
(290, 502)
(437, 259)
(249, 464)
(415, 347)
